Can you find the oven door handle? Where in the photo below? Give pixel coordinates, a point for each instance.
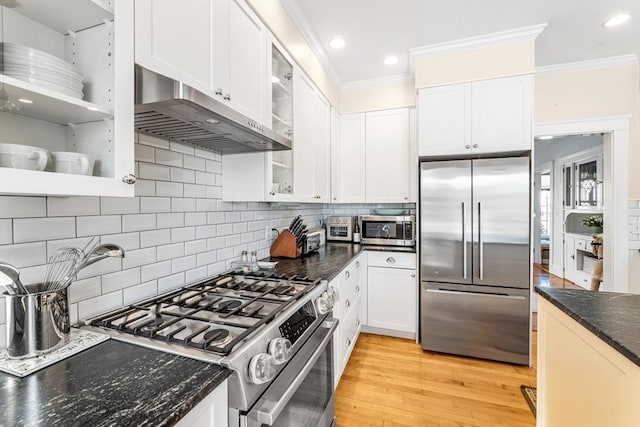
(269, 415)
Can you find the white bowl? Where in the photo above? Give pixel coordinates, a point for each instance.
(20, 156)
(73, 163)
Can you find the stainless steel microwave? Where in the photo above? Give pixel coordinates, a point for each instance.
(388, 230)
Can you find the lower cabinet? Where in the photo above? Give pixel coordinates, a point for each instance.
(392, 294)
(350, 284)
(212, 411)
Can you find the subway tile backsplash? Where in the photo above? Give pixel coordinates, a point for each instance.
(175, 230)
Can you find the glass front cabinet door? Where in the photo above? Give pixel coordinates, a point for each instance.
(588, 182)
(281, 162)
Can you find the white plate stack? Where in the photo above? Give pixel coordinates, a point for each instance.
(40, 68)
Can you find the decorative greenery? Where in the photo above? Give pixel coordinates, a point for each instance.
(593, 221)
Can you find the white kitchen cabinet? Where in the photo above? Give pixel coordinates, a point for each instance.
(217, 46)
(569, 257)
(387, 156)
(212, 411)
(311, 136)
(350, 283)
(489, 116)
(239, 71)
(174, 38)
(444, 120)
(97, 38)
(391, 294)
(348, 160)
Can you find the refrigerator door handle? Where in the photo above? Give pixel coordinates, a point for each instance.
(480, 241)
(478, 294)
(464, 244)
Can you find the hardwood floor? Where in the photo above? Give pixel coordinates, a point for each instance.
(393, 382)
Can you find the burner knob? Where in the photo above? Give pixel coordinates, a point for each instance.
(333, 294)
(261, 368)
(280, 350)
(324, 303)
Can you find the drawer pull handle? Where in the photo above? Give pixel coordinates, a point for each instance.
(347, 303)
(413, 274)
(347, 274)
(358, 322)
(348, 342)
(357, 289)
(357, 264)
(391, 260)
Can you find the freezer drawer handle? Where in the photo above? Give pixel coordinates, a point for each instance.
(479, 294)
(464, 245)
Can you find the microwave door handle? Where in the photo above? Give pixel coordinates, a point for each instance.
(268, 416)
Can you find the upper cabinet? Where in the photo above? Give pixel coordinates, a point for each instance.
(311, 139)
(221, 50)
(488, 116)
(387, 162)
(348, 159)
(66, 98)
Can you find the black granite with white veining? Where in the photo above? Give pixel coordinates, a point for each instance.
(111, 384)
(613, 317)
(329, 260)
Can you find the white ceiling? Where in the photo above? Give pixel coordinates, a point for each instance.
(374, 29)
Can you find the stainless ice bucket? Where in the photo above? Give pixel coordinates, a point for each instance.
(37, 323)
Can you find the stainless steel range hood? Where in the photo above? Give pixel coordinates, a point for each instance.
(170, 109)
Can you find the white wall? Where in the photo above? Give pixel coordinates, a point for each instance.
(174, 231)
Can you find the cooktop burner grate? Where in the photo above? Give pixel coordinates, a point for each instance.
(213, 315)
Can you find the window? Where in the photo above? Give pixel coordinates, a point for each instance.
(545, 205)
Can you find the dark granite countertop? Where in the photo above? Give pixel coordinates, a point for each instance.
(328, 261)
(111, 384)
(613, 317)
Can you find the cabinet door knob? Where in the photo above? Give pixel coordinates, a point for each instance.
(129, 179)
(347, 303)
(227, 97)
(218, 91)
(391, 260)
(348, 342)
(406, 198)
(335, 198)
(357, 289)
(413, 274)
(272, 193)
(358, 322)
(467, 146)
(475, 145)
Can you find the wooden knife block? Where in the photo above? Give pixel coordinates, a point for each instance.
(285, 246)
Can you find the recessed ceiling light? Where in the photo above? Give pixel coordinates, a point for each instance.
(25, 100)
(275, 79)
(545, 138)
(391, 60)
(337, 43)
(616, 20)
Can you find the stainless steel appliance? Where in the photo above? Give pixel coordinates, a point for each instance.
(388, 230)
(340, 228)
(475, 257)
(274, 332)
(171, 109)
(312, 242)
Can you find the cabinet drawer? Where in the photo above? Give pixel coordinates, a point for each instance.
(350, 287)
(392, 259)
(349, 331)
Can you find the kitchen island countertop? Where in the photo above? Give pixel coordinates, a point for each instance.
(613, 317)
(111, 384)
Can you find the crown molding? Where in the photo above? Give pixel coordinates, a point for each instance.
(301, 21)
(376, 82)
(486, 40)
(591, 63)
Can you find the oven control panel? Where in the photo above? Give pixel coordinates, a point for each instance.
(294, 326)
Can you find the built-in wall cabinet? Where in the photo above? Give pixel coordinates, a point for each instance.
(372, 162)
(66, 86)
(223, 54)
(481, 117)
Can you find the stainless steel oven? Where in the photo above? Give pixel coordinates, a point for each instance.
(388, 230)
(302, 394)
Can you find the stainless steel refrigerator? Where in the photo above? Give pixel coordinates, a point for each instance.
(475, 257)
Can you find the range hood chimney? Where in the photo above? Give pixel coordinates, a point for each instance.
(170, 109)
